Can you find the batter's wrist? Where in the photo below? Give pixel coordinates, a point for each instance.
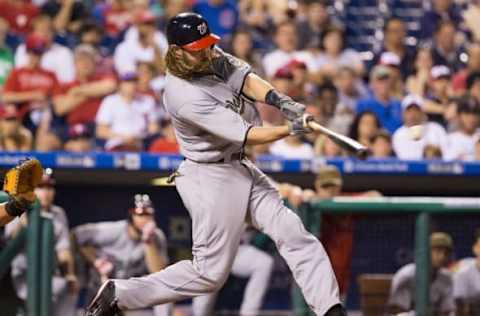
(274, 98)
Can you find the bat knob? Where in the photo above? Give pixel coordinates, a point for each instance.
(363, 153)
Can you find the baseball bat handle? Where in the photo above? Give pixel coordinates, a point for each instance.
(347, 143)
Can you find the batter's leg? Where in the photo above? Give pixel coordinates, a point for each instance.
(250, 262)
(303, 253)
(216, 196)
(203, 305)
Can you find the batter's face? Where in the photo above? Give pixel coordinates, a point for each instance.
(196, 57)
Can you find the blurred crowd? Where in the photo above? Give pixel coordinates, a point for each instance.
(89, 75)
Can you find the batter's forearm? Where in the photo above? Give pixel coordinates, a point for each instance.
(256, 88)
(262, 135)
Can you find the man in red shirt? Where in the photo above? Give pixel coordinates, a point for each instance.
(79, 100)
(18, 13)
(30, 88)
(337, 230)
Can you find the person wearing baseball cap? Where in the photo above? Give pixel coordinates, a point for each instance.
(410, 140)
(65, 285)
(402, 292)
(13, 136)
(142, 43)
(128, 248)
(79, 138)
(382, 102)
(461, 143)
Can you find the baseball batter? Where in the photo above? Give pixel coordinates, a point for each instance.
(210, 96)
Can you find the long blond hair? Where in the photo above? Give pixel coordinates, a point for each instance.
(183, 68)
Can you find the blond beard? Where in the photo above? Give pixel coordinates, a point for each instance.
(183, 67)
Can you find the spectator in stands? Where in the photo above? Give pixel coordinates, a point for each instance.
(392, 61)
(466, 284)
(461, 144)
(365, 125)
(147, 82)
(459, 80)
(292, 147)
(57, 58)
(115, 16)
(242, 47)
(432, 152)
(316, 22)
(126, 118)
(6, 56)
(30, 88)
(167, 142)
(438, 106)
(64, 281)
(67, 15)
(350, 87)
(148, 46)
(124, 249)
(417, 82)
(386, 108)
(337, 230)
(78, 101)
(382, 145)
(477, 149)
(441, 284)
(442, 10)
(471, 16)
(394, 41)
(91, 34)
(333, 54)
(13, 136)
(286, 40)
(328, 111)
(79, 138)
(409, 141)
(19, 14)
(473, 85)
(326, 148)
(222, 15)
(445, 50)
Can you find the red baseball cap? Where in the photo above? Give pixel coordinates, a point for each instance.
(144, 16)
(36, 44)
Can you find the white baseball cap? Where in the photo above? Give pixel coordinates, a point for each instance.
(440, 71)
(390, 59)
(412, 99)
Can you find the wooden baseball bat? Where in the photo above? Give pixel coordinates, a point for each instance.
(347, 143)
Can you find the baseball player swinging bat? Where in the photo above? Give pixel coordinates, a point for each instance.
(210, 96)
(347, 143)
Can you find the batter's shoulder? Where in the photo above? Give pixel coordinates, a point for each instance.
(179, 92)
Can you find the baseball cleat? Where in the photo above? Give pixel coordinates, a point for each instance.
(105, 302)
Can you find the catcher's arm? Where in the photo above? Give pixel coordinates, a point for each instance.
(19, 184)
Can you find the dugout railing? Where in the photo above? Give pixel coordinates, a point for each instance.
(421, 207)
(38, 240)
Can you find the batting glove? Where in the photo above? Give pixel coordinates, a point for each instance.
(300, 125)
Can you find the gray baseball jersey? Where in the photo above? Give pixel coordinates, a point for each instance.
(402, 291)
(211, 120)
(466, 286)
(64, 302)
(111, 239)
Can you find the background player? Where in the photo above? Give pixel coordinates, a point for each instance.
(64, 282)
(209, 97)
(252, 263)
(125, 249)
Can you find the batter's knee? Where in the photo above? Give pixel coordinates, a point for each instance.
(291, 229)
(213, 283)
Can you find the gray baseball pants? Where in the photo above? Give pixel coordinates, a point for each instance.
(220, 197)
(252, 263)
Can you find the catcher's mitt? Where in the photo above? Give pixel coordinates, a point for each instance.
(19, 183)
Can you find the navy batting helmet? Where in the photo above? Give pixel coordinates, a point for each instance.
(190, 31)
